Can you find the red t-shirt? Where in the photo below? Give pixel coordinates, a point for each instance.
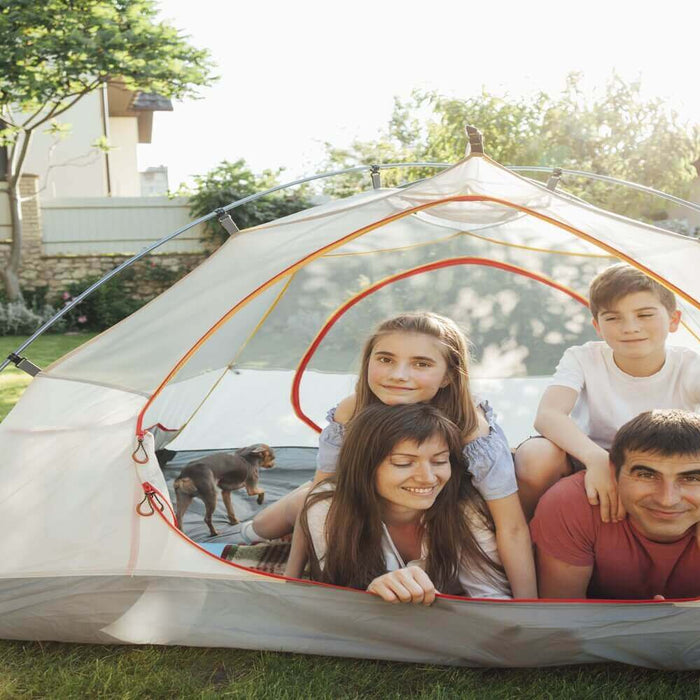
(625, 563)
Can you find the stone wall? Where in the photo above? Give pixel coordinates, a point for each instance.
(55, 273)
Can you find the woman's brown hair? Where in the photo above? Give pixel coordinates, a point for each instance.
(455, 399)
(354, 530)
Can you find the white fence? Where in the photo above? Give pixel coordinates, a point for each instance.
(123, 225)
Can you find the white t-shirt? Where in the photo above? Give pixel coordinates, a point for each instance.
(472, 583)
(608, 397)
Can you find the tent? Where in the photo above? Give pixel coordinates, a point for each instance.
(254, 345)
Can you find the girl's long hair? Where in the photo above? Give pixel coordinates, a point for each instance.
(354, 530)
(454, 400)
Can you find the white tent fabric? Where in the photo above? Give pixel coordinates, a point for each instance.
(81, 564)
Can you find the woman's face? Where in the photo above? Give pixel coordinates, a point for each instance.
(412, 475)
(406, 368)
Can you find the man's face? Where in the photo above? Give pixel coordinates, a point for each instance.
(661, 494)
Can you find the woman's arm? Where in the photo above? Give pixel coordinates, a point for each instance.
(514, 545)
(298, 554)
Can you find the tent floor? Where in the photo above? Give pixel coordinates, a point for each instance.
(293, 466)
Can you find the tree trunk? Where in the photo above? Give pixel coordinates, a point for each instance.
(10, 271)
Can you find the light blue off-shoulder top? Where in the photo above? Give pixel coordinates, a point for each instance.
(489, 458)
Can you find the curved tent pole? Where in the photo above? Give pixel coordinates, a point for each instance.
(221, 212)
(605, 178)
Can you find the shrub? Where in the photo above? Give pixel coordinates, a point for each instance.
(107, 305)
(17, 319)
(228, 182)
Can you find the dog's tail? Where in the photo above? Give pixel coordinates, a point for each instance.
(186, 485)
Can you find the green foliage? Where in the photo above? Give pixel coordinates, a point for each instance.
(615, 132)
(56, 50)
(24, 316)
(107, 305)
(228, 182)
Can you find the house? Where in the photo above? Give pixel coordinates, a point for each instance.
(74, 167)
(84, 211)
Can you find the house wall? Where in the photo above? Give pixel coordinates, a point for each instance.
(72, 167)
(123, 168)
(55, 272)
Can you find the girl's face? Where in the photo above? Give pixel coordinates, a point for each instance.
(411, 476)
(406, 368)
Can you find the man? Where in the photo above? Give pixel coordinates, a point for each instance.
(654, 552)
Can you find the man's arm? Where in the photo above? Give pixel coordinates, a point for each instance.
(557, 579)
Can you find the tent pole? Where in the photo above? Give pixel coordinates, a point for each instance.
(606, 178)
(224, 218)
(476, 146)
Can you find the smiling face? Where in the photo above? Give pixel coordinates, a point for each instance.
(635, 327)
(410, 478)
(406, 368)
(661, 494)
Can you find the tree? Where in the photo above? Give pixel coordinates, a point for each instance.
(615, 131)
(228, 182)
(55, 52)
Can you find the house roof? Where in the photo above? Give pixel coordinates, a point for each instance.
(124, 102)
(151, 101)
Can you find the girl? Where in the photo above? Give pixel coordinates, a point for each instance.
(422, 358)
(400, 516)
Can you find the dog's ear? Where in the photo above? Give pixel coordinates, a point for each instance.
(257, 449)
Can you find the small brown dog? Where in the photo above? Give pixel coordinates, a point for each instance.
(227, 470)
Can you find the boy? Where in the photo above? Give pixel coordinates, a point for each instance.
(599, 386)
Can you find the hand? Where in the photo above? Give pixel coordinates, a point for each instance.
(409, 585)
(601, 488)
(659, 597)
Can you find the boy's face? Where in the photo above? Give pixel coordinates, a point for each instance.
(635, 326)
(661, 494)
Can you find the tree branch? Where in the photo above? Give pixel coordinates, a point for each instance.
(55, 111)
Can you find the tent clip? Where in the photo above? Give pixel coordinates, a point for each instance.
(376, 176)
(554, 179)
(224, 218)
(140, 448)
(24, 364)
(151, 495)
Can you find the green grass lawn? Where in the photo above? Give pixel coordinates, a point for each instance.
(41, 352)
(53, 670)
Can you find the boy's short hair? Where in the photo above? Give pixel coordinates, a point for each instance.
(665, 432)
(622, 279)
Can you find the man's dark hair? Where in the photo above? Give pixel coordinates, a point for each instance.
(667, 432)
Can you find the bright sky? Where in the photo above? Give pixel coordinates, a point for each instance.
(297, 74)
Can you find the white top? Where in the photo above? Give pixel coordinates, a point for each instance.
(608, 397)
(474, 584)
